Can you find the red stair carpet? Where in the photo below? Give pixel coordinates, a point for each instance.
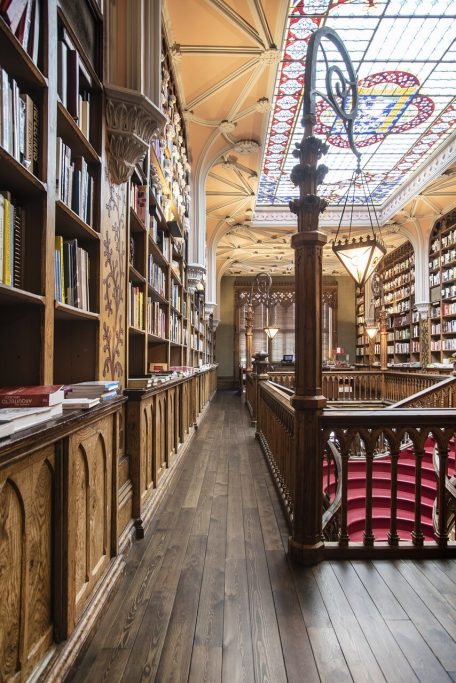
(381, 487)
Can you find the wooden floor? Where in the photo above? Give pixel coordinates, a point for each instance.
(210, 596)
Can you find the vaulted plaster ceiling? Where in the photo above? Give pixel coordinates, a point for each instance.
(226, 56)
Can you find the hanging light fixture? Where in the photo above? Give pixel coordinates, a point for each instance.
(371, 328)
(263, 283)
(359, 256)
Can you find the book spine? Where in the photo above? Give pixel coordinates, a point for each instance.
(2, 223)
(73, 84)
(18, 270)
(36, 133)
(6, 122)
(6, 242)
(30, 401)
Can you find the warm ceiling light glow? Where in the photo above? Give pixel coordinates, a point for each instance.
(360, 257)
(271, 331)
(371, 329)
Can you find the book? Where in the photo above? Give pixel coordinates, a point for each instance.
(31, 396)
(7, 247)
(6, 429)
(139, 382)
(79, 403)
(73, 84)
(14, 12)
(18, 247)
(21, 418)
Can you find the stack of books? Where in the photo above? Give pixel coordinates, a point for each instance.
(22, 407)
(96, 389)
(140, 383)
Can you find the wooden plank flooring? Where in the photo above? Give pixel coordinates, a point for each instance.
(209, 595)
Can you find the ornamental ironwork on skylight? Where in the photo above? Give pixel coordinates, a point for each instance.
(404, 53)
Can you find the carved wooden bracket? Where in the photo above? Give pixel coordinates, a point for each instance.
(195, 276)
(132, 121)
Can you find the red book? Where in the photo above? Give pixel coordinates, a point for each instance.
(33, 396)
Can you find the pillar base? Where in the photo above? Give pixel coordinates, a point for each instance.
(305, 554)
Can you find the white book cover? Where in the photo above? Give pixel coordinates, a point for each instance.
(2, 228)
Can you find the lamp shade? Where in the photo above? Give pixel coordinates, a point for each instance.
(360, 257)
(371, 328)
(271, 331)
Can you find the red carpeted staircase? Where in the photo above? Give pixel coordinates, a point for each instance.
(381, 494)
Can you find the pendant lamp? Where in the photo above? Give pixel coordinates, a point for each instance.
(360, 256)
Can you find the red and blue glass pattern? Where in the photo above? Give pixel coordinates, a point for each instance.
(404, 52)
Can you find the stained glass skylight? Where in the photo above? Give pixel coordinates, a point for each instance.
(404, 54)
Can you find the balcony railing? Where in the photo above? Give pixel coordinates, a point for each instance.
(381, 440)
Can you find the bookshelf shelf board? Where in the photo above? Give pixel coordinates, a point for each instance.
(156, 295)
(16, 178)
(135, 276)
(17, 62)
(176, 277)
(136, 224)
(157, 254)
(136, 331)
(66, 312)
(12, 296)
(73, 136)
(176, 311)
(69, 224)
(153, 338)
(175, 344)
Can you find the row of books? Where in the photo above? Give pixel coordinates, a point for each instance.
(175, 328)
(73, 82)
(28, 406)
(138, 200)
(74, 184)
(12, 226)
(71, 273)
(136, 298)
(23, 18)
(156, 319)
(19, 123)
(157, 277)
(176, 296)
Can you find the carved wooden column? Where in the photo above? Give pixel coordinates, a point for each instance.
(305, 544)
(249, 335)
(260, 364)
(425, 346)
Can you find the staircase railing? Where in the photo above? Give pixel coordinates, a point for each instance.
(447, 524)
(346, 429)
(440, 395)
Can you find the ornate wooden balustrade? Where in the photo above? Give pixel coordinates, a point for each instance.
(366, 385)
(250, 393)
(344, 431)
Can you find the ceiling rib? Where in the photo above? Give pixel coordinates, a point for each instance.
(254, 76)
(243, 180)
(228, 50)
(238, 21)
(221, 84)
(257, 8)
(225, 181)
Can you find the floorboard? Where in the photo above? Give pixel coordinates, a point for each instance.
(210, 595)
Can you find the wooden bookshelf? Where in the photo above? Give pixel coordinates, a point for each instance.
(362, 341)
(442, 279)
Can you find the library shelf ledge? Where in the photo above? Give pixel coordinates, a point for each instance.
(67, 312)
(137, 331)
(139, 175)
(17, 62)
(136, 224)
(156, 338)
(157, 253)
(156, 296)
(13, 296)
(69, 224)
(175, 277)
(72, 135)
(17, 178)
(136, 276)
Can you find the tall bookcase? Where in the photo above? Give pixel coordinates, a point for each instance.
(397, 270)
(362, 346)
(50, 171)
(166, 322)
(442, 278)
